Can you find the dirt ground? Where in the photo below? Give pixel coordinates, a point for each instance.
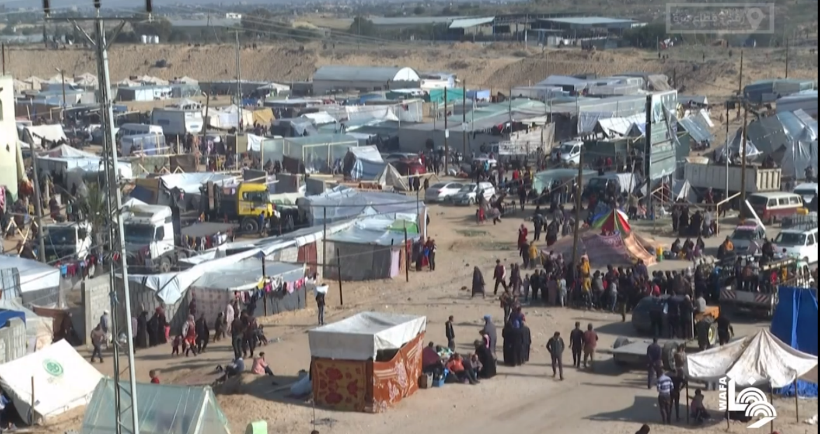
(606, 401)
(498, 66)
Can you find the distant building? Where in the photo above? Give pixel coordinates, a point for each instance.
(575, 27)
(335, 79)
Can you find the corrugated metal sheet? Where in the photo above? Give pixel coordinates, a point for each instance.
(470, 22)
(359, 73)
(696, 129)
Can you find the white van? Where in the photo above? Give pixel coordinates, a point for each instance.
(570, 152)
(799, 242)
(808, 190)
(138, 130)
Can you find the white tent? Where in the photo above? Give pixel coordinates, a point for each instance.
(225, 118)
(362, 335)
(755, 360)
(34, 134)
(39, 329)
(36, 279)
(63, 380)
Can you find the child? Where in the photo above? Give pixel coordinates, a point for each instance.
(177, 344)
(260, 335)
(154, 374)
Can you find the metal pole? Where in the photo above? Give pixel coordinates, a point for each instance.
(65, 103)
(726, 150)
(647, 157)
(264, 297)
(339, 270)
(578, 191)
(3, 48)
(38, 205)
(406, 256)
(446, 133)
(787, 57)
(464, 118)
(324, 243)
(743, 158)
(114, 193)
(238, 100)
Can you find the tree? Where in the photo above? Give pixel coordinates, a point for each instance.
(96, 211)
(362, 27)
(646, 36)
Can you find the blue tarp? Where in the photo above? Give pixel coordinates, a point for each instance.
(7, 315)
(795, 323)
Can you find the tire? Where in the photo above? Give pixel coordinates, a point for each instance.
(249, 226)
(164, 265)
(713, 332)
(668, 355)
(620, 342)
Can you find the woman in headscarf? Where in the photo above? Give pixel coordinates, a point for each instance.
(478, 283)
(153, 330)
(230, 314)
(189, 334)
(515, 279)
(162, 325)
(203, 333)
(490, 331)
(142, 330)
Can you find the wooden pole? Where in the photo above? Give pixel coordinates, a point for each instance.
(3, 47)
(771, 401)
(578, 192)
(743, 158)
(464, 118)
(38, 203)
(446, 133)
(31, 410)
(796, 403)
(339, 271)
(406, 256)
(687, 401)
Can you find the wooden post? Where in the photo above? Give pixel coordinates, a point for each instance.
(687, 401)
(324, 243)
(264, 297)
(578, 191)
(406, 256)
(31, 410)
(796, 403)
(339, 272)
(771, 401)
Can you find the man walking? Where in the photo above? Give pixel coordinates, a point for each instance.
(97, 339)
(590, 342)
(499, 275)
(665, 387)
(105, 325)
(237, 334)
(320, 306)
(576, 344)
(555, 346)
(450, 332)
(653, 354)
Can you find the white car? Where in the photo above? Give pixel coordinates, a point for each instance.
(467, 194)
(439, 192)
(800, 243)
(807, 191)
(570, 152)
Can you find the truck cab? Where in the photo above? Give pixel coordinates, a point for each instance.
(67, 241)
(149, 237)
(242, 203)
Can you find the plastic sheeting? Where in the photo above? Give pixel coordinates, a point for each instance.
(697, 128)
(246, 275)
(162, 408)
(342, 203)
(620, 126)
(361, 336)
(39, 329)
(755, 360)
(795, 322)
(63, 380)
(34, 276)
(369, 153)
(191, 182)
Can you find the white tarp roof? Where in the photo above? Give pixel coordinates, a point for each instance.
(191, 182)
(320, 118)
(227, 117)
(369, 153)
(68, 151)
(752, 361)
(362, 335)
(620, 126)
(39, 329)
(246, 275)
(34, 276)
(63, 380)
(52, 133)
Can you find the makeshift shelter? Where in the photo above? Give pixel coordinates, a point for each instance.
(801, 152)
(342, 203)
(62, 380)
(613, 221)
(162, 408)
(795, 323)
(373, 248)
(39, 283)
(39, 329)
(755, 360)
(34, 134)
(367, 362)
(365, 163)
(603, 250)
(225, 118)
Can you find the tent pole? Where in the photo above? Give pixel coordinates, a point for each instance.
(339, 270)
(796, 402)
(687, 401)
(406, 255)
(771, 401)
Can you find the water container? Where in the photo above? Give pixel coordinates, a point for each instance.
(155, 39)
(144, 39)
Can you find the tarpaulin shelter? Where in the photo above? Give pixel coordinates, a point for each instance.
(63, 380)
(613, 221)
(39, 283)
(373, 248)
(365, 163)
(795, 323)
(368, 362)
(162, 408)
(755, 360)
(225, 118)
(603, 250)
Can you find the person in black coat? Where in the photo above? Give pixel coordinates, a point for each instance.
(488, 364)
(526, 343)
(152, 329)
(142, 330)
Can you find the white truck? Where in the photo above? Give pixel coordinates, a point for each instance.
(150, 240)
(705, 176)
(178, 122)
(67, 241)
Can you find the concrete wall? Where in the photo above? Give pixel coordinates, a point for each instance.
(12, 341)
(95, 301)
(8, 137)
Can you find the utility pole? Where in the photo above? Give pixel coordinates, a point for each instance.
(647, 156)
(787, 57)
(740, 83)
(238, 91)
(726, 150)
(743, 158)
(578, 192)
(464, 118)
(65, 103)
(446, 134)
(3, 47)
(38, 204)
(113, 205)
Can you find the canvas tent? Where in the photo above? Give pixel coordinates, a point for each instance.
(377, 354)
(39, 283)
(795, 323)
(758, 359)
(34, 134)
(162, 408)
(225, 118)
(365, 163)
(603, 250)
(373, 248)
(612, 221)
(63, 380)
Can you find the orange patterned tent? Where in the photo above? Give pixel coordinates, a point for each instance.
(368, 362)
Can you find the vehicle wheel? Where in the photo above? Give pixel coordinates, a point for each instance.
(249, 226)
(620, 342)
(713, 331)
(668, 355)
(164, 265)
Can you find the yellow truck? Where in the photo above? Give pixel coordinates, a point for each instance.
(242, 203)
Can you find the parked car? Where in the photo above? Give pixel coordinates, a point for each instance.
(570, 152)
(409, 167)
(799, 242)
(748, 239)
(467, 194)
(400, 156)
(439, 192)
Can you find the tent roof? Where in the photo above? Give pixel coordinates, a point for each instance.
(369, 153)
(162, 408)
(614, 220)
(52, 133)
(63, 380)
(758, 359)
(247, 274)
(34, 275)
(361, 336)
